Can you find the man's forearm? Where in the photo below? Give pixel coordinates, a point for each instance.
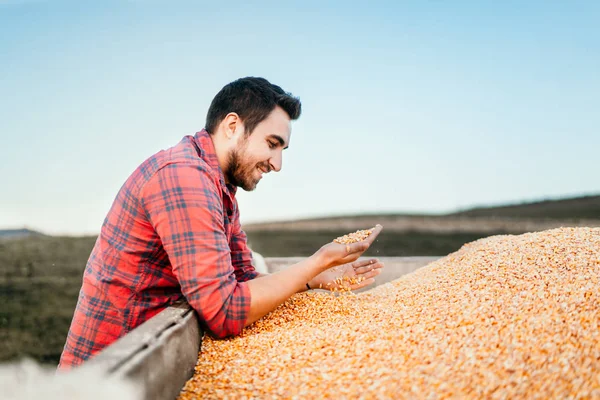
(303, 289)
(270, 290)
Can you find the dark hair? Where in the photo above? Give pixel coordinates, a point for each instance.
(252, 99)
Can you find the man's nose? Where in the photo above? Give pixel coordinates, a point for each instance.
(275, 163)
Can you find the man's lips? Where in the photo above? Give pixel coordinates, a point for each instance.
(264, 170)
(261, 172)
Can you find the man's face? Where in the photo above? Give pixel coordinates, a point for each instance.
(261, 152)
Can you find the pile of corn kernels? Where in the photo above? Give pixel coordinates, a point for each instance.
(503, 317)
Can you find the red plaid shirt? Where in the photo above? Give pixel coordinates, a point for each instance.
(173, 231)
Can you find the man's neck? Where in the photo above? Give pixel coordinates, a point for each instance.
(221, 152)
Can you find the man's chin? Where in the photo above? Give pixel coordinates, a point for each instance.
(249, 186)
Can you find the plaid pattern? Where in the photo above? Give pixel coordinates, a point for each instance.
(173, 231)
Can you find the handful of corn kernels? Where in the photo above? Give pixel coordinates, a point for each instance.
(353, 237)
(344, 283)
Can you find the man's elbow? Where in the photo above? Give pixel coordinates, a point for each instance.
(222, 333)
(227, 321)
(225, 316)
(222, 330)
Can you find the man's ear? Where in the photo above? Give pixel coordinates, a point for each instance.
(232, 123)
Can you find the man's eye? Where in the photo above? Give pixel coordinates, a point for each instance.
(272, 145)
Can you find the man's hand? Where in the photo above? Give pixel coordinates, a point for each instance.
(267, 292)
(354, 275)
(334, 254)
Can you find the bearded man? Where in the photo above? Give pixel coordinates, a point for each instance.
(173, 231)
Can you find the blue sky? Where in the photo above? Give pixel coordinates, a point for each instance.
(423, 106)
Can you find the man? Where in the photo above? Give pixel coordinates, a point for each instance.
(173, 230)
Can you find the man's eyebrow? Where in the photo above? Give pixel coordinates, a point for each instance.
(279, 139)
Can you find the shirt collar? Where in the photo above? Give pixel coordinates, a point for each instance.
(207, 152)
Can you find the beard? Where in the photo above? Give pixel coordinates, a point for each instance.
(240, 173)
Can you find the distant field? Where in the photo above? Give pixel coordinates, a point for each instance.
(35, 317)
(527, 217)
(40, 279)
(578, 208)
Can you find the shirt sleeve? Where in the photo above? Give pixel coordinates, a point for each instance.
(185, 207)
(241, 255)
